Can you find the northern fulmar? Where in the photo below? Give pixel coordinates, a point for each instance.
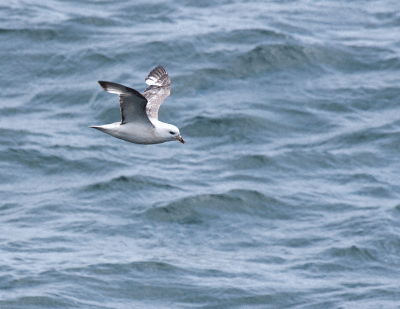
(139, 111)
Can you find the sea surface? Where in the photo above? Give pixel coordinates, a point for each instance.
(286, 193)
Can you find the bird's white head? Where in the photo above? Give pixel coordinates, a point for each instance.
(170, 132)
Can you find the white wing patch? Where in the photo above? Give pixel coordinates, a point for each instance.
(152, 80)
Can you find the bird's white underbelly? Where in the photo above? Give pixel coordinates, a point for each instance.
(133, 132)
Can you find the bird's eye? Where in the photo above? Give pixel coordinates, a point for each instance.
(170, 132)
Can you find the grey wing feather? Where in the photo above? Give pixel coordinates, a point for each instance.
(158, 91)
(131, 102)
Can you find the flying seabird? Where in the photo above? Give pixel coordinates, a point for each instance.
(139, 112)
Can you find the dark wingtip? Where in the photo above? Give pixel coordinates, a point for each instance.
(103, 84)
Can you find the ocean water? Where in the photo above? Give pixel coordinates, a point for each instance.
(286, 193)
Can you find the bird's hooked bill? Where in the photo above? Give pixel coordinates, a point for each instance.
(179, 138)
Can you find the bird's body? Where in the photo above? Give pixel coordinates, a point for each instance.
(148, 134)
(139, 111)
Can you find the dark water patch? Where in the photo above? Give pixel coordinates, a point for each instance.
(9, 211)
(302, 121)
(388, 17)
(35, 35)
(368, 98)
(340, 207)
(391, 64)
(37, 245)
(250, 162)
(198, 208)
(148, 281)
(321, 269)
(354, 92)
(369, 58)
(21, 110)
(29, 157)
(302, 242)
(135, 14)
(51, 164)
(34, 213)
(327, 157)
(291, 56)
(92, 58)
(91, 21)
(37, 302)
(364, 137)
(150, 269)
(164, 52)
(261, 60)
(124, 269)
(268, 260)
(65, 97)
(310, 160)
(153, 281)
(259, 299)
(8, 176)
(86, 226)
(136, 183)
(234, 127)
(109, 115)
(204, 4)
(201, 81)
(348, 178)
(78, 149)
(18, 137)
(5, 280)
(362, 224)
(329, 105)
(66, 115)
(362, 159)
(388, 246)
(241, 37)
(269, 58)
(353, 255)
(247, 178)
(8, 207)
(397, 209)
(378, 191)
(76, 291)
(182, 215)
(41, 35)
(45, 64)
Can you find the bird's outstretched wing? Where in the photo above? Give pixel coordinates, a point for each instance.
(156, 93)
(131, 102)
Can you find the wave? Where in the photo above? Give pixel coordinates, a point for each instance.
(50, 164)
(130, 183)
(238, 126)
(252, 162)
(353, 254)
(198, 208)
(38, 35)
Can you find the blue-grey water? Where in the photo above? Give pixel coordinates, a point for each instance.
(285, 195)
